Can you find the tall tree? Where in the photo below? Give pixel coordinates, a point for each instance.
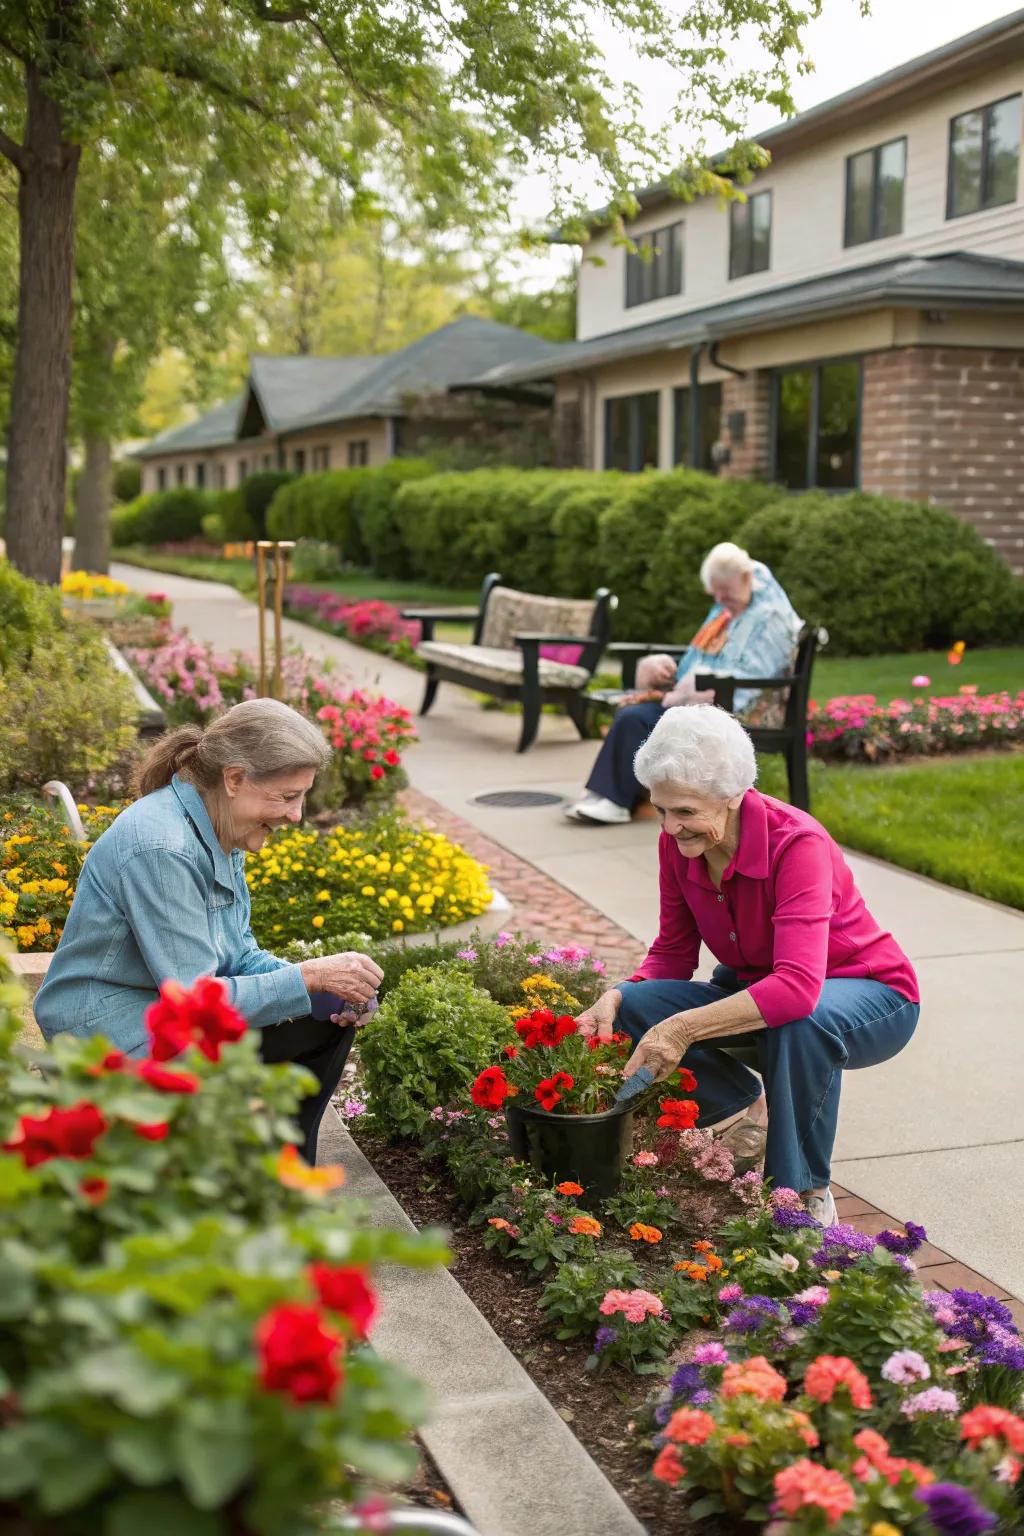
(459, 96)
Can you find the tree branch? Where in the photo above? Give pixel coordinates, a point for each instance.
(12, 151)
(265, 12)
(15, 53)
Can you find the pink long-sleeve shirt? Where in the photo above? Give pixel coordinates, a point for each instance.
(788, 915)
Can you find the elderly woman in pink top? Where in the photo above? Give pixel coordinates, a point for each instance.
(805, 973)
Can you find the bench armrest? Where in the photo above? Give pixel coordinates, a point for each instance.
(581, 640)
(428, 617)
(709, 680)
(631, 651)
(590, 655)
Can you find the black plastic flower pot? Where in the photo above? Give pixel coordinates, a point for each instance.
(589, 1149)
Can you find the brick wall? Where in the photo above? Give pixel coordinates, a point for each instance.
(946, 426)
(751, 457)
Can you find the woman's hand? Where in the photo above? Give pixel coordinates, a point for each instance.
(661, 1049)
(599, 1018)
(655, 672)
(685, 693)
(349, 975)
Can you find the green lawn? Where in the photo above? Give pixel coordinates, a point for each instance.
(890, 677)
(959, 820)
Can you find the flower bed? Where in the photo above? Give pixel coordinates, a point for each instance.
(368, 733)
(40, 861)
(807, 1383)
(857, 726)
(376, 625)
(185, 1314)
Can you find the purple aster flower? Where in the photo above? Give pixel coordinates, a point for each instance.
(907, 1265)
(685, 1380)
(954, 1511)
(907, 1242)
(752, 1314)
(663, 1412)
(789, 1216)
(842, 1235)
(802, 1314)
(466, 954)
(702, 1399)
(1010, 1356)
(603, 1338)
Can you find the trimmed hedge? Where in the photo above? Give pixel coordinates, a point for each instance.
(880, 575)
(171, 517)
(257, 494)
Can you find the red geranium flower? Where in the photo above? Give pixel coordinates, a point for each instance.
(298, 1355)
(511, 1052)
(687, 1081)
(542, 1028)
(59, 1133)
(167, 1082)
(348, 1291)
(202, 1017)
(377, 772)
(491, 1089)
(155, 1131)
(549, 1092)
(679, 1114)
(392, 758)
(113, 1061)
(95, 1191)
(170, 1030)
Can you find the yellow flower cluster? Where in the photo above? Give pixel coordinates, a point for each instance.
(40, 860)
(85, 586)
(543, 991)
(383, 878)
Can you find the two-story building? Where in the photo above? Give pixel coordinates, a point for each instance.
(856, 320)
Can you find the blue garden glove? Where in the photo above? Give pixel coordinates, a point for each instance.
(642, 1079)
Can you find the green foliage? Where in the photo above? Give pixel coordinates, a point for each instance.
(28, 613)
(431, 1037)
(395, 959)
(258, 492)
(126, 483)
(126, 522)
(571, 1301)
(212, 527)
(351, 509)
(379, 531)
(235, 521)
(170, 517)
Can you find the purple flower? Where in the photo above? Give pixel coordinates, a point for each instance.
(802, 1314)
(995, 1352)
(841, 1247)
(931, 1400)
(664, 1411)
(603, 1338)
(907, 1242)
(954, 1511)
(702, 1399)
(685, 1380)
(466, 954)
(752, 1314)
(786, 1216)
(905, 1367)
(555, 1220)
(501, 939)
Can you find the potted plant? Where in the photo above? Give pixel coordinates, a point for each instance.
(558, 1091)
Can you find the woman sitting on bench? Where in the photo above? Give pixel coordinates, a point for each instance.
(751, 630)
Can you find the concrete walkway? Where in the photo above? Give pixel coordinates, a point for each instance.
(936, 1135)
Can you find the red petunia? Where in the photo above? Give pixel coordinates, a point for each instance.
(679, 1114)
(113, 1061)
(686, 1080)
(549, 1092)
(348, 1291)
(165, 1081)
(542, 1028)
(377, 772)
(511, 1052)
(201, 1016)
(155, 1131)
(491, 1089)
(298, 1355)
(168, 1023)
(59, 1133)
(392, 758)
(95, 1191)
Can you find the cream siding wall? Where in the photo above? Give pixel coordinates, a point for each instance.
(251, 453)
(374, 431)
(808, 195)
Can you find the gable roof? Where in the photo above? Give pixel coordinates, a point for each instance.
(287, 394)
(997, 42)
(959, 280)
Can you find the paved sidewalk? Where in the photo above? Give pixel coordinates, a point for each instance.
(936, 1135)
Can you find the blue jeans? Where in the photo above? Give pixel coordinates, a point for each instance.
(857, 1023)
(612, 775)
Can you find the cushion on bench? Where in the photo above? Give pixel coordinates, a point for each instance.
(510, 613)
(494, 665)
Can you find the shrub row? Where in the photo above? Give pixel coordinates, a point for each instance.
(353, 509)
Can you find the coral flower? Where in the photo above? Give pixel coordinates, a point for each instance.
(989, 1423)
(585, 1226)
(667, 1467)
(645, 1159)
(806, 1485)
(567, 1187)
(690, 1426)
(754, 1378)
(828, 1373)
(293, 1173)
(94, 1191)
(640, 1233)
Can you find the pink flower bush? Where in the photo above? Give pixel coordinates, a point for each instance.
(857, 726)
(635, 1306)
(374, 624)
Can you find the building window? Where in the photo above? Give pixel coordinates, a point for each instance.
(655, 269)
(243, 471)
(161, 479)
(358, 454)
(710, 396)
(874, 192)
(220, 476)
(322, 458)
(268, 461)
(299, 461)
(750, 235)
(181, 474)
(984, 154)
(631, 435)
(200, 477)
(817, 427)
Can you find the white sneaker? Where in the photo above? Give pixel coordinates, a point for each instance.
(606, 811)
(575, 812)
(822, 1208)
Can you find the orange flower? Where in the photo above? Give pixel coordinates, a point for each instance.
(713, 1263)
(567, 1187)
(806, 1485)
(293, 1173)
(754, 1377)
(739, 1440)
(690, 1426)
(988, 1423)
(668, 1468)
(695, 1271)
(641, 1233)
(585, 1226)
(828, 1373)
(808, 1433)
(499, 1223)
(703, 1246)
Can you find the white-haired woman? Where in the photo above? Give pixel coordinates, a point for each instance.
(162, 896)
(750, 630)
(805, 973)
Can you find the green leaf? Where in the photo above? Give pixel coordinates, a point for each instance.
(17, 1282)
(19, 1463)
(700, 1509)
(159, 1514)
(129, 1379)
(142, 1453)
(71, 1481)
(213, 1451)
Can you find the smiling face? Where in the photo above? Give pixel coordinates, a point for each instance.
(697, 822)
(732, 592)
(256, 807)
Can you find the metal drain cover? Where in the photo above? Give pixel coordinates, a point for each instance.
(518, 799)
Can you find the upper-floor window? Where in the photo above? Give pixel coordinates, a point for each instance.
(874, 192)
(359, 453)
(631, 431)
(322, 457)
(655, 269)
(984, 154)
(750, 235)
(817, 427)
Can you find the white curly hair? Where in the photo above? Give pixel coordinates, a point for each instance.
(724, 560)
(700, 748)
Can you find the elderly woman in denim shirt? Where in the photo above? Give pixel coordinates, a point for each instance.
(751, 630)
(162, 896)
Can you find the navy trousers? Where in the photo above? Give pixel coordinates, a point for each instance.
(613, 777)
(857, 1023)
(322, 1048)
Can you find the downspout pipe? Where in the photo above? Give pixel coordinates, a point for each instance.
(716, 361)
(696, 353)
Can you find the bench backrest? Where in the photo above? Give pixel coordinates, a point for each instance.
(508, 613)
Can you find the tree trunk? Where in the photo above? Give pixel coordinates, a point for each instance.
(92, 511)
(42, 364)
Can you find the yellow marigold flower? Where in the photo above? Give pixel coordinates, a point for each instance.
(318, 921)
(368, 890)
(323, 895)
(397, 926)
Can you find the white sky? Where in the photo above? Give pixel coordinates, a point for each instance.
(845, 48)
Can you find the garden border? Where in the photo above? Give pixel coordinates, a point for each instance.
(491, 1428)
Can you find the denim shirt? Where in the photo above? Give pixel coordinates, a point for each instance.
(759, 642)
(158, 899)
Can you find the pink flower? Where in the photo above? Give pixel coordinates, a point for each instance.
(920, 681)
(730, 1293)
(711, 1354)
(645, 1159)
(635, 1305)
